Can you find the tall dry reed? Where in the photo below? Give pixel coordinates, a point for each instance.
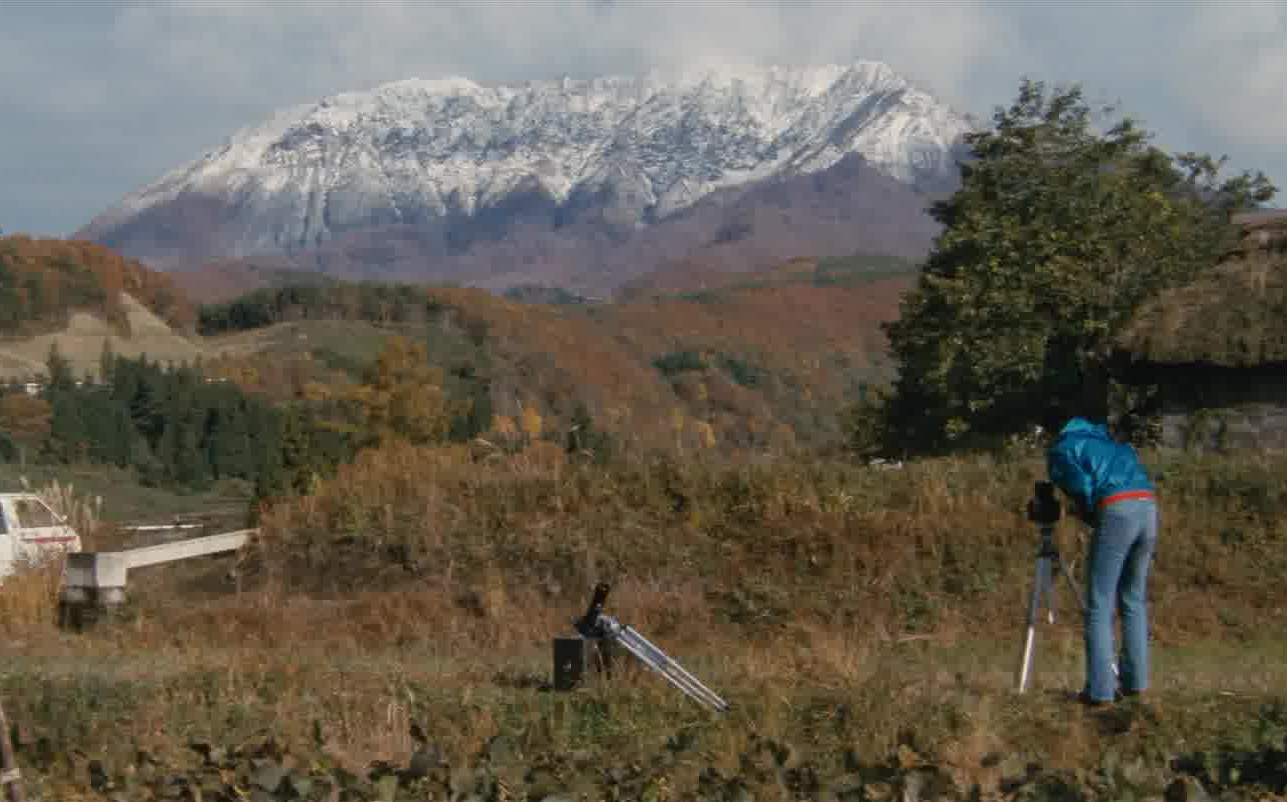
(83, 512)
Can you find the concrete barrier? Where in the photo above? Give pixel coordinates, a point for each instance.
(95, 581)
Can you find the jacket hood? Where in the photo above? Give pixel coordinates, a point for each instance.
(1081, 426)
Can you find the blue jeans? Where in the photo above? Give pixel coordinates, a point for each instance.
(1117, 578)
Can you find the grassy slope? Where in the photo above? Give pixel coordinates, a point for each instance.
(845, 611)
(124, 500)
(856, 269)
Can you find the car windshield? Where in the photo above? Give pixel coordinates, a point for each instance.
(32, 514)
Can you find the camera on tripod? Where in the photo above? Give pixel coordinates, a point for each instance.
(1043, 507)
(1044, 511)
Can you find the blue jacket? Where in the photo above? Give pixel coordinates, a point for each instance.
(1089, 465)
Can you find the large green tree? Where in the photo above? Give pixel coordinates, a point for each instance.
(1067, 220)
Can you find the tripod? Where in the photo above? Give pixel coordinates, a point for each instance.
(597, 626)
(1044, 510)
(1048, 564)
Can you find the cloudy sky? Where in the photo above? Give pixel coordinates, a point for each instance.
(99, 97)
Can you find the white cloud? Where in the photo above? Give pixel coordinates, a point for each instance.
(135, 88)
(356, 45)
(1240, 74)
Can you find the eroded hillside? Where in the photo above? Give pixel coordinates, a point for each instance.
(81, 295)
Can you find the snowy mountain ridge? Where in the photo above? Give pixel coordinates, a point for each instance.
(420, 151)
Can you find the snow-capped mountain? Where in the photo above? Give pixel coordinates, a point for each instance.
(631, 150)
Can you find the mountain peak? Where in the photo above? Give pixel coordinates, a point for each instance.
(631, 148)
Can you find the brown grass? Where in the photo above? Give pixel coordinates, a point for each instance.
(843, 609)
(29, 600)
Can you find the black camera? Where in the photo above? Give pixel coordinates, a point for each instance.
(1043, 508)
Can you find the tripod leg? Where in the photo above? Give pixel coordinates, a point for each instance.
(1040, 588)
(1072, 584)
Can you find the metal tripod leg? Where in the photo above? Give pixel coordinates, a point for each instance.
(1072, 585)
(594, 624)
(1041, 588)
(1048, 562)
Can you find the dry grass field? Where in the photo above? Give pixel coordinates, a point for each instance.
(389, 637)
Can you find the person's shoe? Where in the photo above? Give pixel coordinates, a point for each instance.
(1090, 701)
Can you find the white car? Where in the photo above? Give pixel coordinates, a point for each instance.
(31, 532)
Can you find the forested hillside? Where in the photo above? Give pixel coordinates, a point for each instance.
(760, 359)
(375, 303)
(170, 424)
(275, 388)
(185, 427)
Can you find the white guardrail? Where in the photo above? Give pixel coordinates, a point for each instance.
(100, 576)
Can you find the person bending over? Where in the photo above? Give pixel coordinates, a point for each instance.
(1111, 492)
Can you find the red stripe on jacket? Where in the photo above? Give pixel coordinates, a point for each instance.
(1127, 495)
